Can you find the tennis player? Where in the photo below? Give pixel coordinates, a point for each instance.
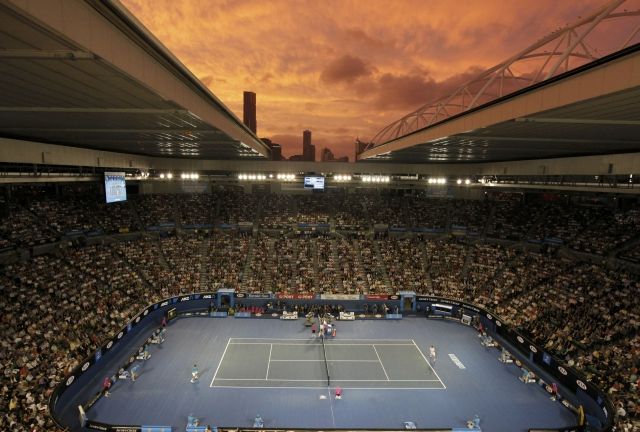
(106, 385)
(338, 393)
(194, 373)
(432, 354)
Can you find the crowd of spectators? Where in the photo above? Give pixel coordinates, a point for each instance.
(585, 313)
(35, 215)
(55, 314)
(234, 206)
(156, 210)
(20, 227)
(511, 218)
(224, 262)
(184, 256)
(196, 209)
(405, 263)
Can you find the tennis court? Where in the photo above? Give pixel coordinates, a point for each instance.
(306, 363)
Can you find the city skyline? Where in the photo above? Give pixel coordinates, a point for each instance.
(345, 69)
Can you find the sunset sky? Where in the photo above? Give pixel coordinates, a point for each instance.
(344, 68)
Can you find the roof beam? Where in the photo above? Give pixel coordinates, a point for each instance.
(158, 142)
(95, 110)
(577, 121)
(46, 54)
(536, 139)
(142, 131)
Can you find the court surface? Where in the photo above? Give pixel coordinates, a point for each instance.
(300, 363)
(275, 368)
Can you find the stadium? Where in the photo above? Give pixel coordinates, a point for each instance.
(477, 268)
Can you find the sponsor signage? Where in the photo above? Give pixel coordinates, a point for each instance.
(340, 296)
(378, 297)
(296, 296)
(254, 295)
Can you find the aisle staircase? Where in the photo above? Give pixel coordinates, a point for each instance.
(334, 258)
(205, 273)
(382, 267)
(247, 271)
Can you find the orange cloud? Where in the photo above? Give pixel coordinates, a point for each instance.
(345, 69)
(346, 65)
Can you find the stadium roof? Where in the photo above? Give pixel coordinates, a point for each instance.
(89, 75)
(568, 94)
(605, 124)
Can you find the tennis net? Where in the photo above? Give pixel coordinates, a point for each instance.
(324, 352)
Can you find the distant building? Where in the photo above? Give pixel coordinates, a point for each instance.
(276, 149)
(308, 149)
(249, 111)
(276, 152)
(328, 156)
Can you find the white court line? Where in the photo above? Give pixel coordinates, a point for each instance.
(340, 339)
(314, 344)
(337, 344)
(425, 359)
(269, 364)
(343, 388)
(330, 360)
(353, 361)
(323, 380)
(380, 360)
(220, 362)
(333, 419)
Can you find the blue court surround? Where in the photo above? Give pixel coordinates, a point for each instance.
(164, 394)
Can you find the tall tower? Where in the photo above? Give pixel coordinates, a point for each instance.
(308, 149)
(326, 155)
(249, 117)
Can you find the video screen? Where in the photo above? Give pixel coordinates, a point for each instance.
(316, 183)
(115, 188)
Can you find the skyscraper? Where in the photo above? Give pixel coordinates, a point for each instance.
(276, 149)
(326, 155)
(249, 118)
(308, 149)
